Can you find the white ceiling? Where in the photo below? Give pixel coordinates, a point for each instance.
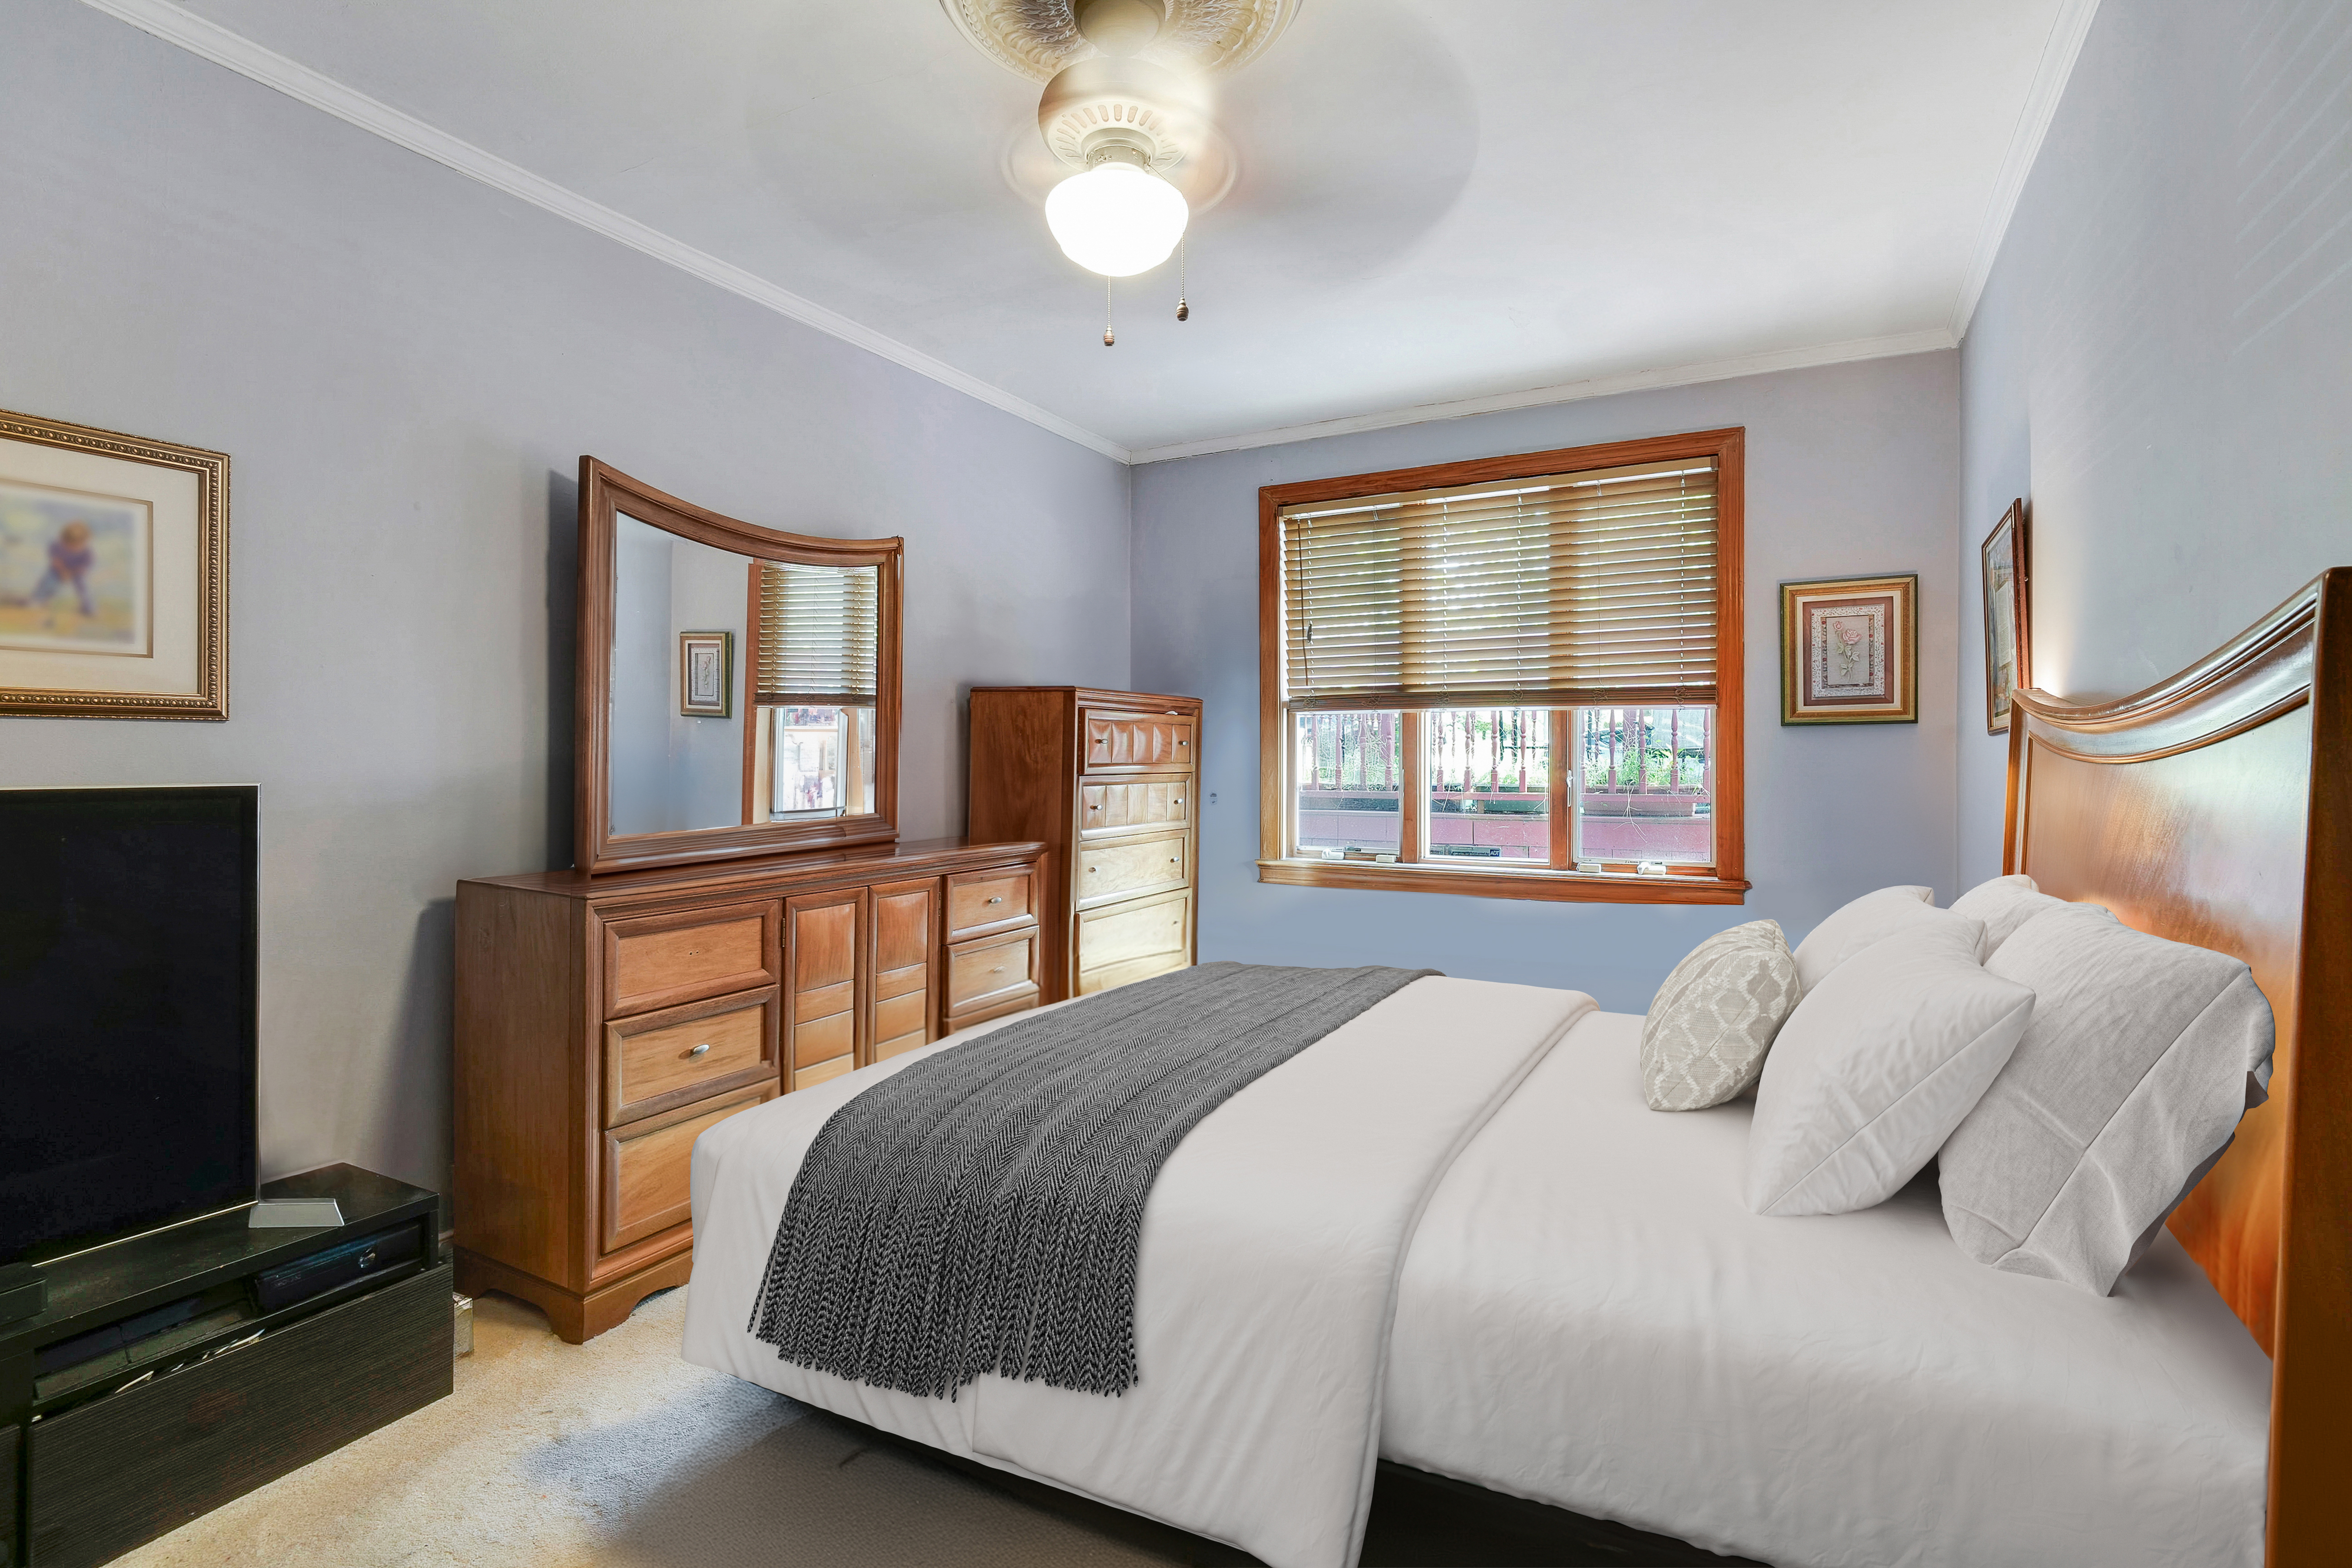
(1438, 199)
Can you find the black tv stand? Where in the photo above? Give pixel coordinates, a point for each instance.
(155, 1386)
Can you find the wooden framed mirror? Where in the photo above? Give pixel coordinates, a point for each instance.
(738, 686)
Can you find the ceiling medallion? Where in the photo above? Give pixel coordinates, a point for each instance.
(1128, 99)
(1039, 38)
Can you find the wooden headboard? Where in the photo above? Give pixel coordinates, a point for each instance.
(2215, 808)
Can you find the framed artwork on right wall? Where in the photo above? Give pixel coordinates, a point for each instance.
(2007, 667)
(1849, 650)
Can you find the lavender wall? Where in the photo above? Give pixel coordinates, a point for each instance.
(404, 366)
(2162, 360)
(1851, 469)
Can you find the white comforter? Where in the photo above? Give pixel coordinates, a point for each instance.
(1590, 1317)
(1265, 1286)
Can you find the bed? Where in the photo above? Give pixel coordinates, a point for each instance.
(1513, 1273)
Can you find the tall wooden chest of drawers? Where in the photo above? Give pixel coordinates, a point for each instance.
(1107, 780)
(603, 1022)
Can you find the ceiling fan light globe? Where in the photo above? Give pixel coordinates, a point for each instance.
(1116, 219)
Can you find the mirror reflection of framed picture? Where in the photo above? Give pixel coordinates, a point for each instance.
(1849, 650)
(2007, 668)
(113, 574)
(705, 675)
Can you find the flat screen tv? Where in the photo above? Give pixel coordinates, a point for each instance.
(127, 942)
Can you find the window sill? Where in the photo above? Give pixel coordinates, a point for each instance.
(1558, 886)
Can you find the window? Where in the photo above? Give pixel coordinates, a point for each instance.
(1516, 677)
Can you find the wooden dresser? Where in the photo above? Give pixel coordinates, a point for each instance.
(1106, 781)
(603, 1022)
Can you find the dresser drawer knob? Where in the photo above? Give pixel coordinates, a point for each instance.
(1092, 869)
(998, 899)
(699, 1050)
(998, 970)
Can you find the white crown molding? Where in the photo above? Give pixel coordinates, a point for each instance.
(2059, 52)
(216, 43)
(1847, 352)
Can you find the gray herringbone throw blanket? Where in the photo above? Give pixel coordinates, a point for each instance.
(981, 1210)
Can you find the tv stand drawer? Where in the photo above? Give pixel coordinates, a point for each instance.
(103, 1476)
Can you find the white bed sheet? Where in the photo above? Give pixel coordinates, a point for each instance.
(1590, 1317)
(1270, 1252)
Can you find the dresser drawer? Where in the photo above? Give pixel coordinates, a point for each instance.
(1115, 741)
(1120, 870)
(648, 1164)
(1124, 932)
(1110, 976)
(661, 960)
(656, 1061)
(1109, 806)
(980, 902)
(986, 974)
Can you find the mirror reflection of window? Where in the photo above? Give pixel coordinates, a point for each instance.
(824, 762)
(815, 657)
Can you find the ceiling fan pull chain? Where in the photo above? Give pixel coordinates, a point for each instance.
(1109, 337)
(1183, 309)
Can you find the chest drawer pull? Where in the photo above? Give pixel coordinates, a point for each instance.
(998, 899)
(700, 1050)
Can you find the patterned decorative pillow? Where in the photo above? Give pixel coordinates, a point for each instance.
(1715, 1016)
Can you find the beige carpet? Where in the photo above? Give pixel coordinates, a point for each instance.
(617, 1452)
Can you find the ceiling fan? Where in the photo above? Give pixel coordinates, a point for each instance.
(1129, 101)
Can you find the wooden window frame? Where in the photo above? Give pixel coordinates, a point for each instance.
(1725, 884)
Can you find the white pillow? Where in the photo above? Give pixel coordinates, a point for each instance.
(2141, 1057)
(1849, 929)
(2004, 904)
(1715, 1018)
(1875, 1068)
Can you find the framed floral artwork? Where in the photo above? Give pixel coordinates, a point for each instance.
(2007, 668)
(705, 675)
(1849, 650)
(113, 574)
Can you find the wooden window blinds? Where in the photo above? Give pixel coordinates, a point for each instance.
(1590, 588)
(819, 628)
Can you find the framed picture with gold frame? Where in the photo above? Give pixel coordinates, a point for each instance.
(2007, 668)
(113, 574)
(1849, 650)
(705, 675)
